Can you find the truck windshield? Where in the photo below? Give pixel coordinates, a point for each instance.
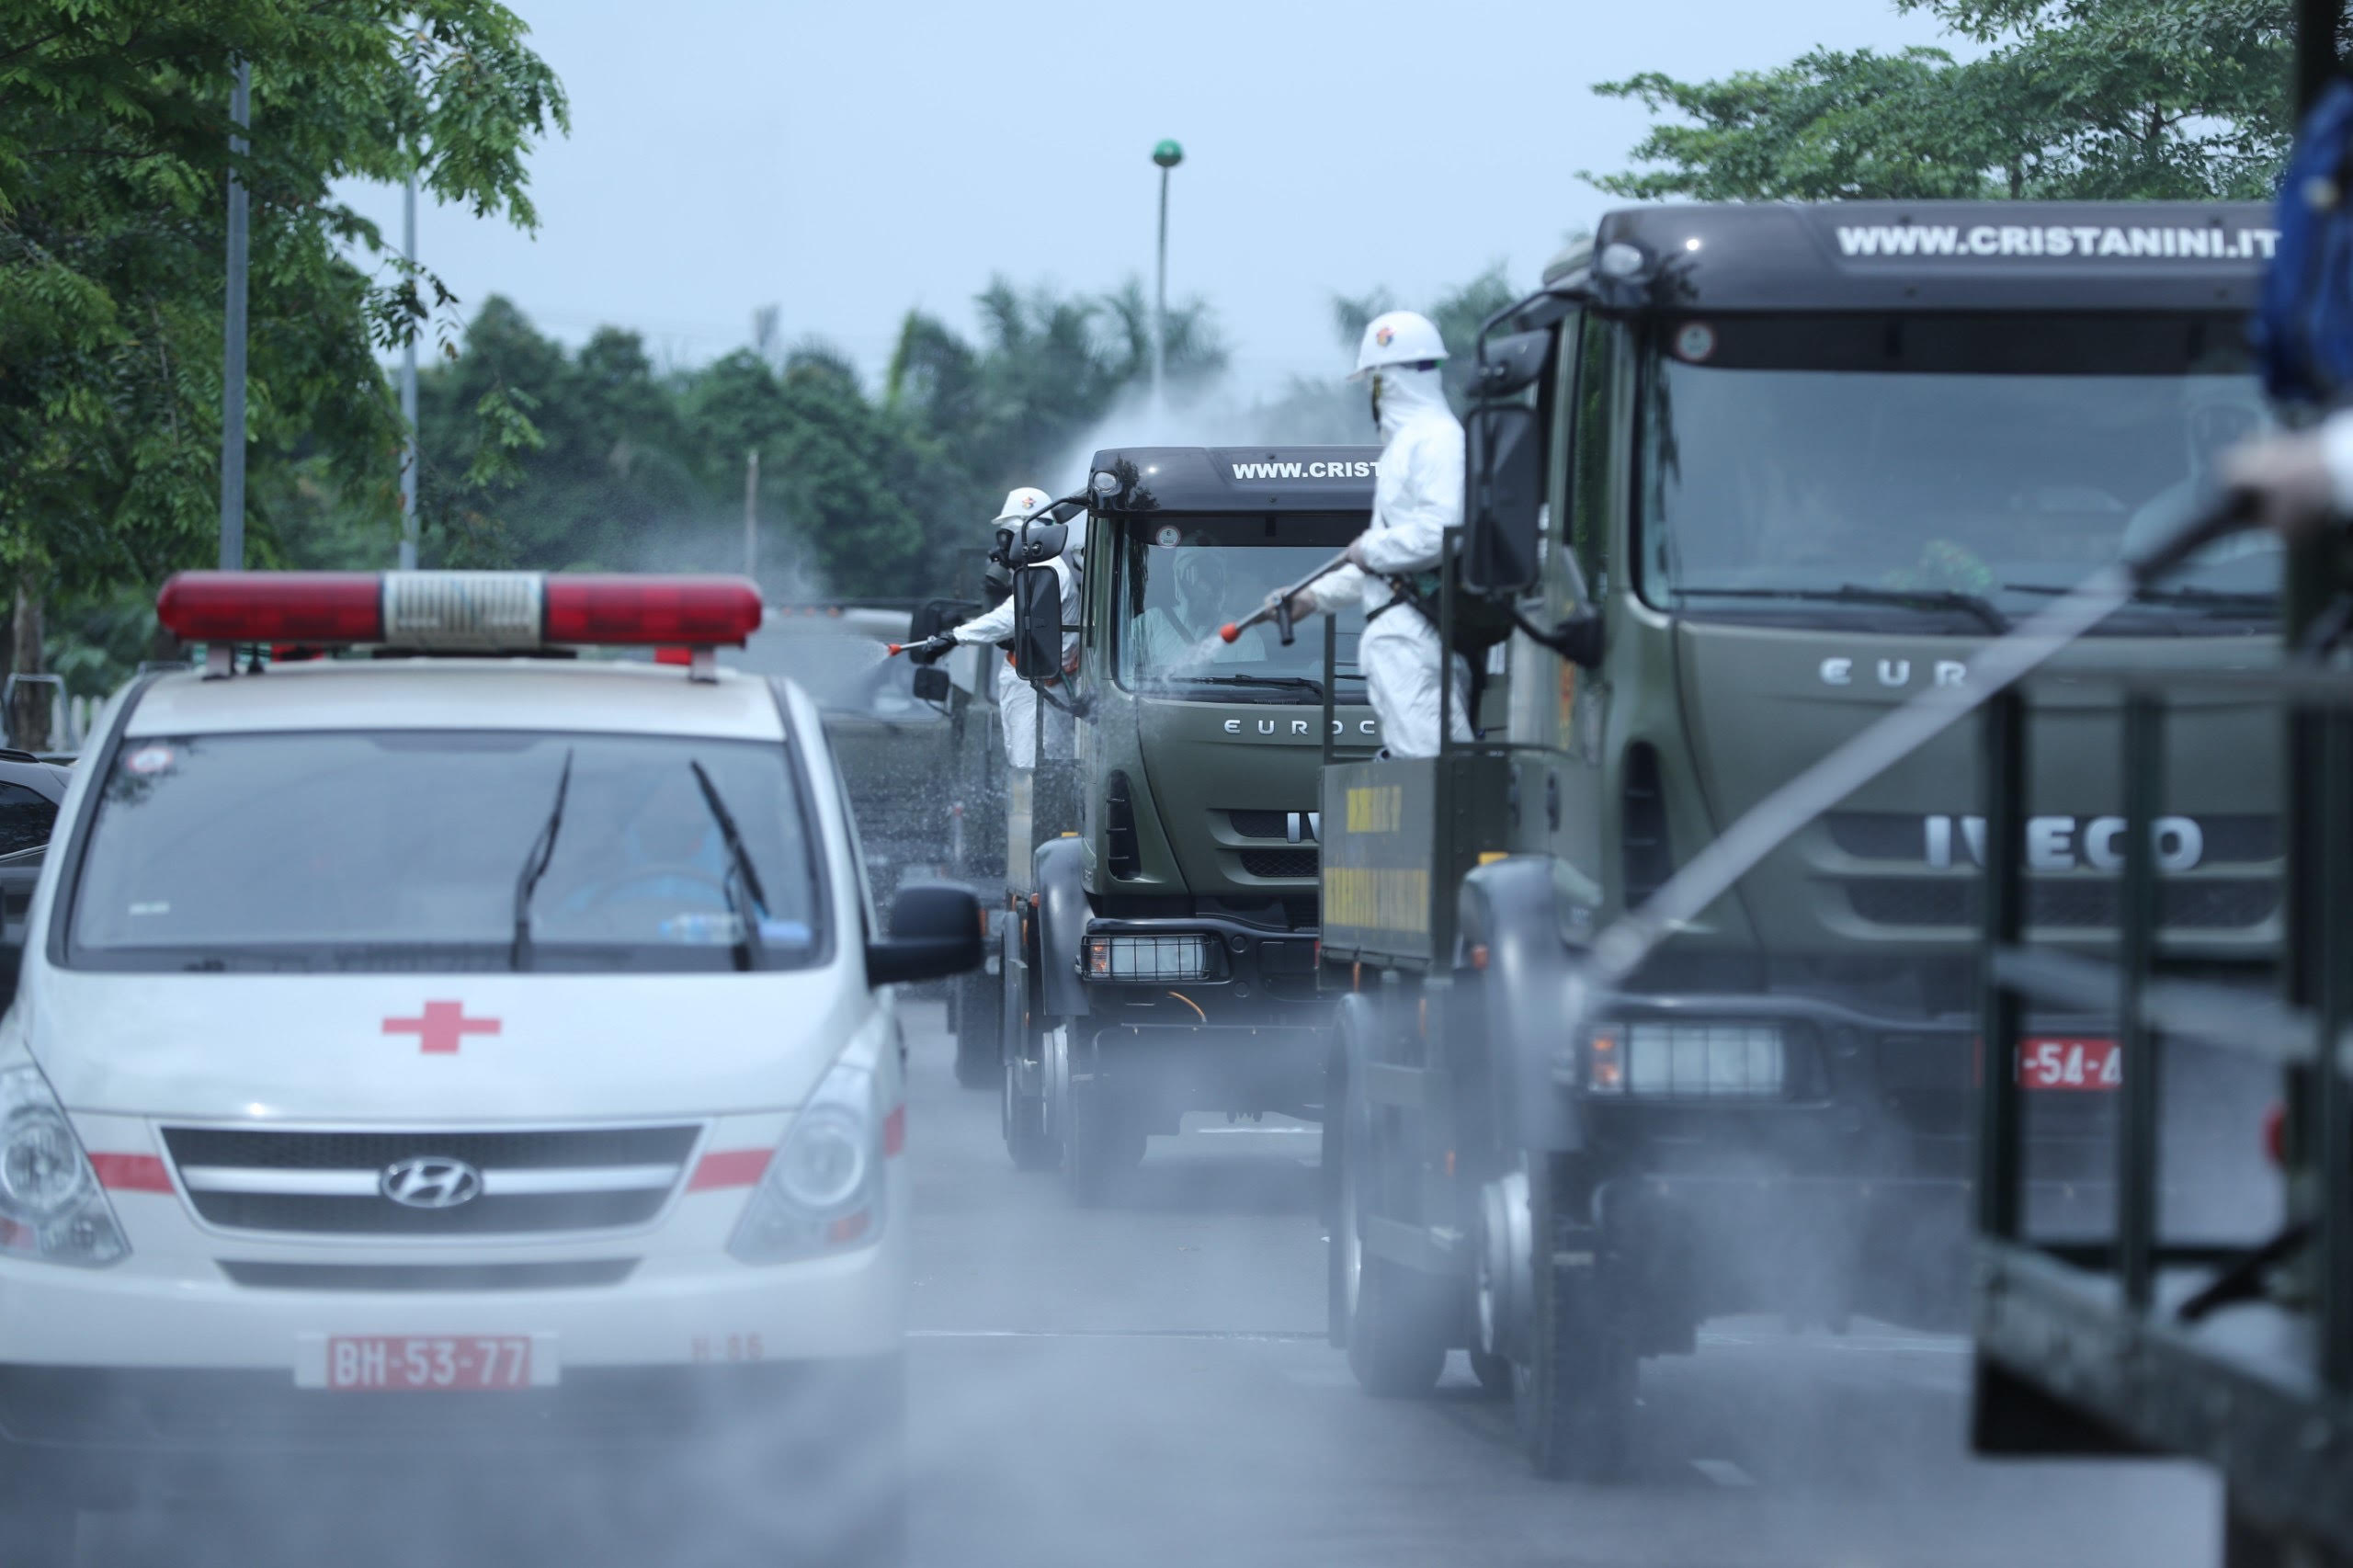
(846, 672)
(411, 851)
(1939, 473)
(1181, 578)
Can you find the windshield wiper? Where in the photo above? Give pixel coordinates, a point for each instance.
(2221, 601)
(1285, 683)
(535, 866)
(746, 901)
(1973, 605)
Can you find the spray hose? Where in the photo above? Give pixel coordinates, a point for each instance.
(1277, 605)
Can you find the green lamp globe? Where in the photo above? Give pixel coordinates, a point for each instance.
(1168, 154)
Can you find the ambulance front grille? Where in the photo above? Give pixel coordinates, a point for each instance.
(333, 1182)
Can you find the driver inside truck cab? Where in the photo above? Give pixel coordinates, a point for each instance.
(1179, 624)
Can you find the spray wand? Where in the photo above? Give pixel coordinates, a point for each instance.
(1277, 605)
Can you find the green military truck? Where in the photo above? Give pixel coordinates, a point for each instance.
(1159, 957)
(1749, 477)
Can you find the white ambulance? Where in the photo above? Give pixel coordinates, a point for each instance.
(453, 1044)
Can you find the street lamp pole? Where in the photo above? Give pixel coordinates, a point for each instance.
(1168, 154)
(408, 387)
(411, 530)
(233, 368)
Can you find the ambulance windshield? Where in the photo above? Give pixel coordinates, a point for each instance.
(406, 850)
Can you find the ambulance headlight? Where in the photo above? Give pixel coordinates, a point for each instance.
(51, 1207)
(823, 1190)
(823, 1164)
(41, 1171)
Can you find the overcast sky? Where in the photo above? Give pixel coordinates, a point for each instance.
(848, 161)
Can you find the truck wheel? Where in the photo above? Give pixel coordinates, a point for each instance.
(1033, 1143)
(980, 1030)
(1024, 1119)
(1574, 1394)
(1103, 1138)
(1390, 1318)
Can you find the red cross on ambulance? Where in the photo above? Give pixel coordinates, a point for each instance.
(441, 1027)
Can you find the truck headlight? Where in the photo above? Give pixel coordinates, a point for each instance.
(1184, 956)
(823, 1190)
(51, 1207)
(1692, 1061)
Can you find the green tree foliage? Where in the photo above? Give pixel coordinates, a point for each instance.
(114, 154)
(539, 457)
(2081, 99)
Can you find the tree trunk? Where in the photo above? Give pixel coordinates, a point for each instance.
(28, 715)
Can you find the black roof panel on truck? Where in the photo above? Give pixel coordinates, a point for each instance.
(1940, 255)
(1238, 479)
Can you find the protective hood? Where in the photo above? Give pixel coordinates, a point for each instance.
(1407, 397)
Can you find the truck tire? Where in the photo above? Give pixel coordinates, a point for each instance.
(1103, 1136)
(1392, 1319)
(1029, 1138)
(1574, 1394)
(978, 1014)
(1494, 1372)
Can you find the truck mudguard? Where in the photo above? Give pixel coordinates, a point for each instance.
(1514, 908)
(1062, 914)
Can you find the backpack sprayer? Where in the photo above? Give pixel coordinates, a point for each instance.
(1277, 605)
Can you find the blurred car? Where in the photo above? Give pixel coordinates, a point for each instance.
(30, 790)
(893, 747)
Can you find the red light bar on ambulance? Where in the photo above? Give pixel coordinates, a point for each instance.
(456, 611)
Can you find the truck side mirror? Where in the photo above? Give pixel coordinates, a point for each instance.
(1504, 476)
(1036, 623)
(1503, 511)
(932, 685)
(934, 933)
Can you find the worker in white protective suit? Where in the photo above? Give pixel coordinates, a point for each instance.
(1418, 496)
(1017, 699)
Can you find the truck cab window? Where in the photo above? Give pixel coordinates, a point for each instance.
(1179, 579)
(1996, 461)
(26, 818)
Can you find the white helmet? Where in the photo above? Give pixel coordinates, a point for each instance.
(1022, 504)
(1398, 338)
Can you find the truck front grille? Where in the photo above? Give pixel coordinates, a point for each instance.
(1280, 862)
(1260, 824)
(2221, 904)
(539, 1180)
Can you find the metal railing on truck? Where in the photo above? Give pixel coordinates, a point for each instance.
(2089, 1347)
(2128, 1346)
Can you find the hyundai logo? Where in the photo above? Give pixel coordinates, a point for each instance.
(430, 1181)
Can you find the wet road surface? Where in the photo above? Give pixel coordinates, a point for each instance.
(1148, 1384)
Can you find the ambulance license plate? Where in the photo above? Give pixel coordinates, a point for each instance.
(2069, 1064)
(402, 1363)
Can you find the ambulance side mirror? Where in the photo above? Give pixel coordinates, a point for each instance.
(1036, 623)
(935, 932)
